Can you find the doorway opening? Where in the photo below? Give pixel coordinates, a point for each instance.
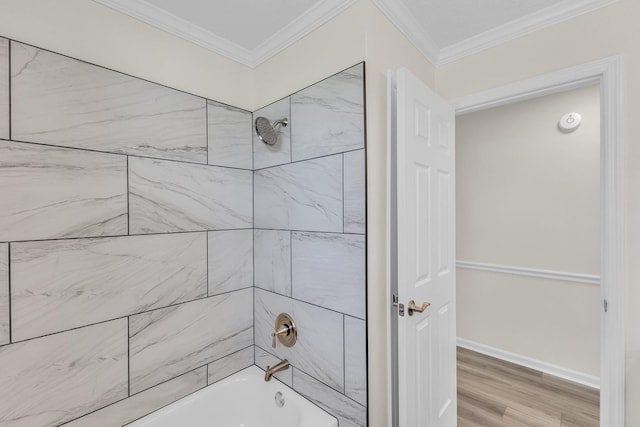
(607, 73)
(528, 251)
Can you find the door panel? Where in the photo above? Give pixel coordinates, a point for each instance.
(425, 250)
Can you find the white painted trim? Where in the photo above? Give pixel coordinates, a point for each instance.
(153, 15)
(530, 272)
(313, 18)
(391, 250)
(406, 22)
(562, 11)
(528, 362)
(609, 74)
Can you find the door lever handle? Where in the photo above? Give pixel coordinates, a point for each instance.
(413, 307)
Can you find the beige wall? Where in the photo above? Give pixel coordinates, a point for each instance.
(527, 195)
(549, 321)
(603, 33)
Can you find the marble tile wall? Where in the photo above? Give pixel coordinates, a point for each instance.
(126, 242)
(167, 196)
(4, 293)
(71, 193)
(170, 341)
(60, 101)
(132, 270)
(4, 88)
(310, 243)
(229, 136)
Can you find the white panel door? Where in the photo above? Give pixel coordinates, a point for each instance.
(425, 255)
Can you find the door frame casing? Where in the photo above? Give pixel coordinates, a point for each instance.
(608, 73)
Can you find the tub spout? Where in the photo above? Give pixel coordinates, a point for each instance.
(279, 367)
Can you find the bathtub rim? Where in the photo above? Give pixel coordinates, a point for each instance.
(253, 370)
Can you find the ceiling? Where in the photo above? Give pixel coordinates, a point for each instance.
(252, 31)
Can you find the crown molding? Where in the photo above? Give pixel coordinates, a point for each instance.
(405, 21)
(311, 19)
(300, 27)
(408, 25)
(563, 11)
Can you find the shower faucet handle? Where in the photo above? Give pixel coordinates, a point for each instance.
(285, 331)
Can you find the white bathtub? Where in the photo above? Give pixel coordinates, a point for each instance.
(244, 399)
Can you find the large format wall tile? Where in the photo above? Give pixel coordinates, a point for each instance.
(328, 269)
(169, 196)
(328, 117)
(50, 380)
(141, 404)
(354, 192)
(230, 260)
(319, 349)
(171, 341)
(63, 284)
(61, 101)
(265, 155)
(230, 364)
(300, 196)
(229, 136)
(272, 259)
(348, 412)
(4, 88)
(355, 359)
(4, 293)
(50, 192)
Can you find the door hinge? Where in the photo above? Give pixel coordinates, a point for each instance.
(397, 304)
(606, 305)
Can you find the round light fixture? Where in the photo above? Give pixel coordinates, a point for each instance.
(569, 122)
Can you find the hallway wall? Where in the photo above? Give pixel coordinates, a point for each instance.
(528, 197)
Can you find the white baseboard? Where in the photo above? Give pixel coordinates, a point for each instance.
(547, 368)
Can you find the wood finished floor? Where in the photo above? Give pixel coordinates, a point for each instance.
(494, 393)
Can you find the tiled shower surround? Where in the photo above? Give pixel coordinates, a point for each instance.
(148, 240)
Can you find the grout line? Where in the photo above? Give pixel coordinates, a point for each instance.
(9, 43)
(131, 314)
(128, 200)
(9, 290)
(309, 303)
(366, 241)
(343, 216)
(126, 235)
(88, 150)
(311, 231)
(253, 154)
(291, 124)
(206, 127)
(128, 356)
(306, 160)
(253, 249)
(344, 356)
(290, 264)
(207, 260)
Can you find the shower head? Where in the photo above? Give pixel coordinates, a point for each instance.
(268, 131)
